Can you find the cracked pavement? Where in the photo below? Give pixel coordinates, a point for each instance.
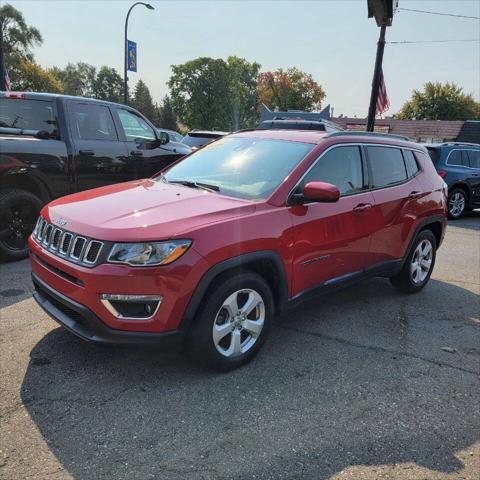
(365, 383)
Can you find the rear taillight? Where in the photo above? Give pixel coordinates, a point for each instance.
(442, 173)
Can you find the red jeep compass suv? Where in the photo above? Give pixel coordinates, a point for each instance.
(211, 249)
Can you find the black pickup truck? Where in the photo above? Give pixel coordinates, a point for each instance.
(53, 145)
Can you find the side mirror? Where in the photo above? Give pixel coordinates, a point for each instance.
(320, 192)
(164, 138)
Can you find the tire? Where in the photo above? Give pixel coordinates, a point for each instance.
(414, 275)
(457, 203)
(238, 338)
(19, 211)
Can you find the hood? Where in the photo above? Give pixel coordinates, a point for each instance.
(142, 210)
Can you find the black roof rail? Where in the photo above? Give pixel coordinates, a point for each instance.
(369, 134)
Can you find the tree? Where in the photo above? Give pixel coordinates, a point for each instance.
(28, 76)
(77, 79)
(290, 89)
(18, 37)
(440, 101)
(166, 117)
(143, 102)
(213, 94)
(108, 85)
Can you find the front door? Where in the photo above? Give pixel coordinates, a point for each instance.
(332, 240)
(100, 158)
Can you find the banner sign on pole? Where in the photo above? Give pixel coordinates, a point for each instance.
(131, 56)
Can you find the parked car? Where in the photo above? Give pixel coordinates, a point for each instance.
(174, 136)
(299, 124)
(459, 166)
(198, 138)
(52, 145)
(210, 250)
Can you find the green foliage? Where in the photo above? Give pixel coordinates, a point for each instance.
(213, 94)
(108, 85)
(143, 102)
(29, 77)
(290, 90)
(166, 117)
(440, 101)
(18, 37)
(77, 79)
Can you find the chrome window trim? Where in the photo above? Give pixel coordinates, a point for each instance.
(461, 150)
(361, 145)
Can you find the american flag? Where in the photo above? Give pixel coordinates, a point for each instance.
(8, 83)
(383, 104)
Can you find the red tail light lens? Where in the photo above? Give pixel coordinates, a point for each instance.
(442, 173)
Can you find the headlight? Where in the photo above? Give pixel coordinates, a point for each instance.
(149, 253)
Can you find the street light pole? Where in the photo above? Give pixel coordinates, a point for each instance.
(125, 63)
(3, 87)
(376, 79)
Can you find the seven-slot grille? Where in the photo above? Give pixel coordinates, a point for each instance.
(65, 244)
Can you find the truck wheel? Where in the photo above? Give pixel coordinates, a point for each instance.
(419, 264)
(19, 211)
(233, 323)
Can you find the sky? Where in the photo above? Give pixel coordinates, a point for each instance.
(331, 39)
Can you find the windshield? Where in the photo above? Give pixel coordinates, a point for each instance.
(27, 114)
(243, 167)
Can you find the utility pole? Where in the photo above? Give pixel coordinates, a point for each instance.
(376, 79)
(2, 61)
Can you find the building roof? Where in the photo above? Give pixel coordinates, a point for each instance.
(445, 129)
(470, 132)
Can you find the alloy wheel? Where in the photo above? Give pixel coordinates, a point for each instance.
(421, 263)
(456, 204)
(238, 323)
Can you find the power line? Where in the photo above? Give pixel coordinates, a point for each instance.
(437, 13)
(435, 41)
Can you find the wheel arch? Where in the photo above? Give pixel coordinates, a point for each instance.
(27, 182)
(266, 263)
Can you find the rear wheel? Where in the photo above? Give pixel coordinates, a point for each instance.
(233, 323)
(19, 211)
(419, 264)
(457, 203)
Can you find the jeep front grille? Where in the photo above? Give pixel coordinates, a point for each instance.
(68, 245)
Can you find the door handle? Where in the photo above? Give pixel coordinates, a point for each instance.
(362, 207)
(415, 194)
(88, 153)
(136, 153)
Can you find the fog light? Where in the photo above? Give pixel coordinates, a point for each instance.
(132, 307)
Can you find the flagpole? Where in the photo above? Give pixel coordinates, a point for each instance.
(376, 79)
(2, 61)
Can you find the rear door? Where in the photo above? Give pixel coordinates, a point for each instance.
(100, 158)
(396, 193)
(333, 239)
(473, 179)
(141, 142)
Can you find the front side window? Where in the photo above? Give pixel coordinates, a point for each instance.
(342, 167)
(135, 127)
(242, 167)
(92, 122)
(28, 115)
(387, 166)
(410, 163)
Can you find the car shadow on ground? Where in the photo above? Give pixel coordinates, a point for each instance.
(469, 220)
(356, 378)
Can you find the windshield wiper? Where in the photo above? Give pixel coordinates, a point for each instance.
(193, 184)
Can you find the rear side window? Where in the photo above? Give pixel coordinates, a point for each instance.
(387, 166)
(474, 158)
(92, 122)
(410, 163)
(341, 166)
(28, 115)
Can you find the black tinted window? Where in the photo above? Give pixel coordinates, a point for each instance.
(387, 166)
(28, 115)
(474, 158)
(341, 166)
(92, 122)
(410, 163)
(455, 158)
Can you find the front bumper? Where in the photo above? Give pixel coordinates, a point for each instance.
(84, 323)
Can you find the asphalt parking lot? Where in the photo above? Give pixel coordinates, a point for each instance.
(364, 384)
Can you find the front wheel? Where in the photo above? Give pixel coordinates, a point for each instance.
(19, 211)
(419, 265)
(233, 324)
